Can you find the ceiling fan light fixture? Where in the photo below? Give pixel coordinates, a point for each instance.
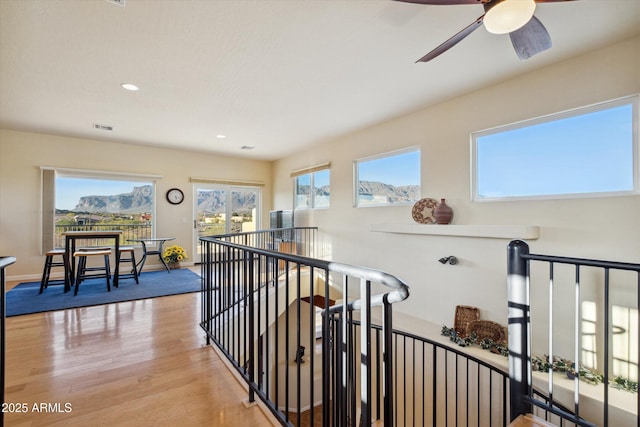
(505, 16)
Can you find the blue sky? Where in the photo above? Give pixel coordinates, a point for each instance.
(401, 169)
(587, 153)
(69, 190)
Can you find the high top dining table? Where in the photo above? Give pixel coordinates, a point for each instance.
(70, 238)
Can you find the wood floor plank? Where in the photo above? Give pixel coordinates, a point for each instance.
(138, 363)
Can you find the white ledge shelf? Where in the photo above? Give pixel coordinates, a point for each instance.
(529, 232)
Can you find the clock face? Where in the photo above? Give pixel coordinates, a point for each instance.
(175, 196)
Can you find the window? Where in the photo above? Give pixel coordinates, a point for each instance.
(388, 179)
(312, 187)
(590, 151)
(225, 209)
(87, 200)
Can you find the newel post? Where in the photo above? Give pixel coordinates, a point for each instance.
(519, 327)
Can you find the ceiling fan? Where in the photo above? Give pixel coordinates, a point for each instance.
(528, 36)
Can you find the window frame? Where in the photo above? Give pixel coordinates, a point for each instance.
(388, 154)
(633, 100)
(228, 189)
(310, 172)
(49, 176)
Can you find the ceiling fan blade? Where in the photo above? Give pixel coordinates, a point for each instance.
(452, 41)
(530, 39)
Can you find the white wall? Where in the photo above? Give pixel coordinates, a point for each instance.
(22, 154)
(606, 228)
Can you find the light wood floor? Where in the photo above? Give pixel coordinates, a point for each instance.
(138, 363)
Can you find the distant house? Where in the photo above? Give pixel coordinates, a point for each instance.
(88, 219)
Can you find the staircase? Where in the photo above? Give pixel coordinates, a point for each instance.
(530, 420)
(258, 307)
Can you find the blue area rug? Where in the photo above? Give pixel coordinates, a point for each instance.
(24, 298)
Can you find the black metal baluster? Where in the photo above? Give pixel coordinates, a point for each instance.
(424, 386)
(638, 348)
(607, 329)
(456, 391)
(378, 388)
(298, 365)
(326, 353)
(478, 379)
(312, 350)
(467, 396)
(252, 335)
(276, 330)
(287, 350)
(550, 332)
(434, 411)
(576, 344)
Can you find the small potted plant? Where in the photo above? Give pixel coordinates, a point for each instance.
(173, 254)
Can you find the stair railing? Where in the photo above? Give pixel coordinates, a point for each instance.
(258, 307)
(600, 274)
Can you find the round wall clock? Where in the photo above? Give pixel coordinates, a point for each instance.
(175, 196)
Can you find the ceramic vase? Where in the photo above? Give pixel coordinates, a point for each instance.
(443, 213)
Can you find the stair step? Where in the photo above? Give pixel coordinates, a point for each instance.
(530, 420)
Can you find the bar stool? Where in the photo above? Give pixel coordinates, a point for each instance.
(82, 263)
(49, 262)
(132, 259)
(83, 270)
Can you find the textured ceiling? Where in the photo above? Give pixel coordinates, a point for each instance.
(277, 75)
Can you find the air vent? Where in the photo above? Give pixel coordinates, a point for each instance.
(102, 127)
(118, 2)
(247, 147)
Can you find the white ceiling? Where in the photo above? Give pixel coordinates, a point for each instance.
(277, 75)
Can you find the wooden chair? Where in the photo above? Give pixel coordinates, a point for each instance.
(49, 263)
(84, 272)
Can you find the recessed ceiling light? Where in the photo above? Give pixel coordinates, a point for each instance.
(221, 136)
(130, 86)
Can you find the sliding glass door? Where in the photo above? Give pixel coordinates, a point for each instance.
(224, 209)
